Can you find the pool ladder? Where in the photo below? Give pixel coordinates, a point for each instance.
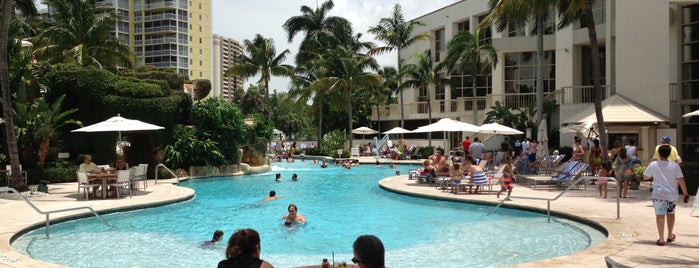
(47, 213)
(168, 170)
(548, 200)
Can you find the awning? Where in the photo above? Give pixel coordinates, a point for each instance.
(619, 110)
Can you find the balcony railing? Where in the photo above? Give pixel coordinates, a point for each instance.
(583, 94)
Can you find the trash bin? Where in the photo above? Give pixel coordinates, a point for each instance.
(43, 186)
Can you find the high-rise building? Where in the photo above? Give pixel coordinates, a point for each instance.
(225, 52)
(166, 33)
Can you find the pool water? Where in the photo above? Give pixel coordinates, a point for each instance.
(339, 204)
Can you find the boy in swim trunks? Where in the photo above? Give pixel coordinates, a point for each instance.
(507, 178)
(666, 176)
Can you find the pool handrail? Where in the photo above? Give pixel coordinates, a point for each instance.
(548, 200)
(168, 170)
(47, 213)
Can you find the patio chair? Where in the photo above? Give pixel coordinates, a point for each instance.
(85, 184)
(123, 181)
(9, 173)
(140, 174)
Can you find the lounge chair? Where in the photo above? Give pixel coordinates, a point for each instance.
(569, 173)
(413, 152)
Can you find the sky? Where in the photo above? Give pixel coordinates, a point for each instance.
(242, 19)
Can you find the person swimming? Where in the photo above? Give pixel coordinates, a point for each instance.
(293, 215)
(272, 196)
(218, 235)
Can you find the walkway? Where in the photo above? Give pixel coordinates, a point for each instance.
(631, 239)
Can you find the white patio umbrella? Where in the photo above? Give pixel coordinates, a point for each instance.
(364, 131)
(542, 150)
(695, 113)
(118, 124)
(447, 125)
(397, 130)
(495, 128)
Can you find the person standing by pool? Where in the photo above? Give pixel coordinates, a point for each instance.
(368, 252)
(244, 251)
(666, 176)
(293, 215)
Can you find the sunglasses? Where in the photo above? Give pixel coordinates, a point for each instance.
(355, 260)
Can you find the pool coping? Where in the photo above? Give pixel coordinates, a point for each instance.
(630, 240)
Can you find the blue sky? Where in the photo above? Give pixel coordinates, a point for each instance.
(242, 19)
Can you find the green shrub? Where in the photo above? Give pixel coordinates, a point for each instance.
(61, 171)
(425, 152)
(141, 90)
(334, 141)
(691, 177)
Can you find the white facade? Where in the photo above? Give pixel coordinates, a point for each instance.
(643, 43)
(225, 51)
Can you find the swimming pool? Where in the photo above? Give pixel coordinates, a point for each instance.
(340, 204)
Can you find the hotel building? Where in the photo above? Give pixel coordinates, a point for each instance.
(649, 53)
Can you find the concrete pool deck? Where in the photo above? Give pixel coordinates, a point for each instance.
(631, 239)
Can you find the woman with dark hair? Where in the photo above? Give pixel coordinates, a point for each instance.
(368, 252)
(244, 251)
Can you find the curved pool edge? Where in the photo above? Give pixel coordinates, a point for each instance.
(20, 218)
(592, 256)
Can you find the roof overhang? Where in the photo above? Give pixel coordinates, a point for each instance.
(618, 110)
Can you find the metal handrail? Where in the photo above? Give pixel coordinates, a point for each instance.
(548, 200)
(168, 170)
(47, 213)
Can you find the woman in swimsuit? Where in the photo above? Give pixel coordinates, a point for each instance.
(244, 251)
(476, 174)
(578, 150)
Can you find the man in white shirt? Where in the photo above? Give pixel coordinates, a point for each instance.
(477, 149)
(525, 146)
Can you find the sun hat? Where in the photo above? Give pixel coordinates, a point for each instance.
(666, 139)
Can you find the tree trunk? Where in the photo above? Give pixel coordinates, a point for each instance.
(349, 113)
(269, 105)
(320, 122)
(539, 68)
(596, 74)
(16, 178)
(400, 92)
(429, 114)
(474, 84)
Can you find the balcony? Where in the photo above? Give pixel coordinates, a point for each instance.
(167, 40)
(160, 5)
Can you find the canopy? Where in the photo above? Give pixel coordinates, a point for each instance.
(118, 123)
(495, 128)
(448, 125)
(579, 128)
(695, 113)
(397, 130)
(364, 131)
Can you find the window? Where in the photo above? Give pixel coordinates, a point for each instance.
(463, 26)
(438, 44)
(486, 33)
(515, 29)
(520, 72)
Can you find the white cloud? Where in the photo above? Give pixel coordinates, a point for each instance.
(242, 19)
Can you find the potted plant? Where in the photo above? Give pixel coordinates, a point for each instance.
(637, 177)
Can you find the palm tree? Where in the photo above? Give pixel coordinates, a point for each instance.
(80, 35)
(397, 34)
(381, 95)
(321, 30)
(346, 70)
(581, 10)
(262, 59)
(27, 8)
(305, 75)
(423, 75)
(502, 114)
(466, 54)
(519, 12)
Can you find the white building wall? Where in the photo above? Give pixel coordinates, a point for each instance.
(642, 54)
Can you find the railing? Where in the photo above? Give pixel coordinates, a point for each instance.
(583, 94)
(548, 200)
(168, 170)
(47, 213)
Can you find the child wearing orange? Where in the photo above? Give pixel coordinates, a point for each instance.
(508, 178)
